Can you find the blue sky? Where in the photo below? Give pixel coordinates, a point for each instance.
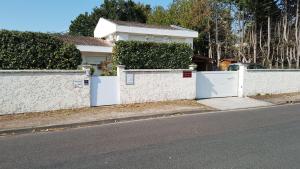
(49, 15)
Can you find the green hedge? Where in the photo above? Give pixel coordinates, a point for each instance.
(150, 55)
(28, 50)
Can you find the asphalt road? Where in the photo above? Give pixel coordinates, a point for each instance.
(263, 138)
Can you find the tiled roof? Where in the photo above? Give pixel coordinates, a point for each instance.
(143, 25)
(82, 40)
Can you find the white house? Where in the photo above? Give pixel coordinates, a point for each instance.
(120, 30)
(94, 51)
(98, 49)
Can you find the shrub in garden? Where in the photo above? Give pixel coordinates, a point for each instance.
(151, 55)
(28, 50)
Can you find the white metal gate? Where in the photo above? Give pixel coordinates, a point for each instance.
(104, 90)
(217, 84)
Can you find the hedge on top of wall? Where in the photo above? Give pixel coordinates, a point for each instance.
(151, 55)
(29, 50)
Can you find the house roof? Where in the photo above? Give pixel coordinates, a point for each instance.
(143, 25)
(85, 41)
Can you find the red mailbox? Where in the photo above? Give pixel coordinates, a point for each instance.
(187, 74)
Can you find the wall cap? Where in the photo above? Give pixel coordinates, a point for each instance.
(273, 70)
(121, 66)
(42, 71)
(157, 70)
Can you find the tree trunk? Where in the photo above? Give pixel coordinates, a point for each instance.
(297, 36)
(210, 47)
(282, 57)
(218, 43)
(254, 44)
(269, 41)
(290, 56)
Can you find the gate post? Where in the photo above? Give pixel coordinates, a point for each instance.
(121, 81)
(120, 69)
(88, 79)
(241, 73)
(87, 69)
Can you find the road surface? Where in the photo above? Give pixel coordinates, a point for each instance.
(262, 138)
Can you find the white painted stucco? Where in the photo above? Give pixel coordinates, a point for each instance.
(121, 37)
(153, 38)
(102, 49)
(271, 82)
(156, 85)
(104, 28)
(107, 29)
(37, 91)
(156, 31)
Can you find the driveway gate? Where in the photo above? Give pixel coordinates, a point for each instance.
(217, 84)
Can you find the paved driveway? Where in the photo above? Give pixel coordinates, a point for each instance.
(230, 103)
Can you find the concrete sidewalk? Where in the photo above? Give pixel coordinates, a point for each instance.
(283, 98)
(231, 103)
(43, 121)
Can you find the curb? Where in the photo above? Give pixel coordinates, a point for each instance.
(92, 123)
(126, 119)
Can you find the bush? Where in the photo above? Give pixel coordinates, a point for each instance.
(150, 55)
(28, 50)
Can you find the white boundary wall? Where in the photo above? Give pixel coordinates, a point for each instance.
(271, 82)
(37, 91)
(155, 85)
(41, 90)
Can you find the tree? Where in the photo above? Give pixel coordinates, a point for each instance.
(159, 16)
(192, 14)
(277, 22)
(85, 24)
